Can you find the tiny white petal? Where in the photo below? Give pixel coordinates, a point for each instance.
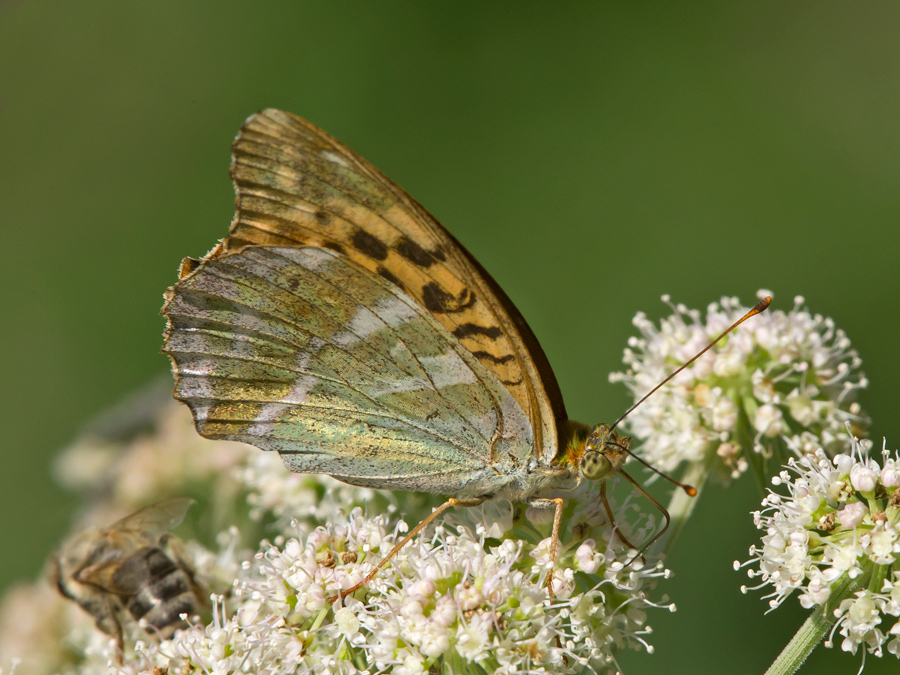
(852, 515)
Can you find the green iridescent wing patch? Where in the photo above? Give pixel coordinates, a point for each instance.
(304, 351)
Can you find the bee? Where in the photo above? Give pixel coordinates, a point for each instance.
(135, 568)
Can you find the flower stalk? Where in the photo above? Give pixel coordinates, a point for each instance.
(812, 632)
(681, 505)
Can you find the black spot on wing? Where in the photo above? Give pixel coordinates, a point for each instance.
(370, 245)
(467, 329)
(323, 217)
(418, 255)
(439, 301)
(333, 246)
(511, 383)
(481, 356)
(386, 274)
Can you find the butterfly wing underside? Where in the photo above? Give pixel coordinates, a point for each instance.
(295, 184)
(303, 351)
(299, 188)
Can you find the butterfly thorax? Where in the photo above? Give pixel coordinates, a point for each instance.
(573, 438)
(561, 473)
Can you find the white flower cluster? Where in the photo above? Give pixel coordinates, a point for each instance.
(782, 383)
(272, 490)
(472, 596)
(839, 523)
(454, 602)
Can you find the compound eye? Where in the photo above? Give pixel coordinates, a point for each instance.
(595, 465)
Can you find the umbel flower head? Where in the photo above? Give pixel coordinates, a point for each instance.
(464, 603)
(273, 547)
(782, 384)
(835, 538)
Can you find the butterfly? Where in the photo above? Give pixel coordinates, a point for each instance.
(342, 326)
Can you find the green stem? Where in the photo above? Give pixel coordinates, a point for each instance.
(814, 628)
(681, 505)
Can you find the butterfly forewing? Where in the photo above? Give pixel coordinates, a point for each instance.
(304, 351)
(298, 186)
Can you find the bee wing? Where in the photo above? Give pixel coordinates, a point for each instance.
(117, 543)
(155, 519)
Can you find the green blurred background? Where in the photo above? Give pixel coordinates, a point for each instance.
(592, 156)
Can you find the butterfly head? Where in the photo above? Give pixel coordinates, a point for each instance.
(604, 453)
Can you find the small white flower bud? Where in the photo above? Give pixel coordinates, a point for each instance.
(422, 589)
(410, 664)
(890, 474)
(863, 478)
(411, 609)
(293, 549)
(852, 515)
(562, 582)
(763, 389)
(724, 415)
(445, 611)
(586, 557)
(802, 409)
(317, 539)
(468, 597)
(541, 553)
(844, 463)
(729, 363)
(346, 621)
(769, 420)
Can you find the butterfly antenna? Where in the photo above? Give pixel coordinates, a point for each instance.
(690, 489)
(760, 307)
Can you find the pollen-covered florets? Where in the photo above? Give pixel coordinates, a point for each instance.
(462, 598)
(837, 527)
(781, 384)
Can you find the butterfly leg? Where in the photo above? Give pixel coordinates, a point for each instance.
(612, 519)
(453, 501)
(555, 503)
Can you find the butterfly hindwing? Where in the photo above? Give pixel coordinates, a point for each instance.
(297, 186)
(304, 351)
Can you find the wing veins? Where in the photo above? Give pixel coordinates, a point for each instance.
(387, 413)
(386, 285)
(392, 289)
(371, 413)
(466, 278)
(313, 178)
(380, 405)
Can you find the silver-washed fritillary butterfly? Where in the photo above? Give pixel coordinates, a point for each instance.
(340, 324)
